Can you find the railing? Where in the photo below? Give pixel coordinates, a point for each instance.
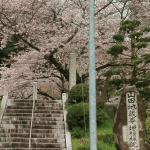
(34, 98)
(67, 133)
(3, 105)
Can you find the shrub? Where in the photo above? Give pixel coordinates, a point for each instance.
(75, 116)
(77, 132)
(101, 114)
(75, 94)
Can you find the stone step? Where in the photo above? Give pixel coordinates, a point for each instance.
(41, 126)
(15, 118)
(33, 140)
(49, 149)
(24, 135)
(30, 111)
(48, 140)
(49, 111)
(14, 144)
(35, 114)
(26, 145)
(48, 108)
(18, 114)
(48, 145)
(49, 104)
(36, 107)
(19, 111)
(28, 122)
(37, 126)
(33, 149)
(14, 139)
(48, 135)
(36, 101)
(34, 135)
(36, 104)
(17, 122)
(2, 130)
(19, 107)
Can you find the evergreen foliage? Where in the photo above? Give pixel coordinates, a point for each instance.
(141, 45)
(140, 79)
(75, 115)
(145, 39)
(146, 58)
(75, 94)
(138, 60)
(135, 34)
(146, 29)
(111, 72)
(117, 49)
(118, 37)
(129, 25)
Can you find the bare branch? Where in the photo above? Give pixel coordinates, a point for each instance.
(109, 65)
(30, 44)
(103, 7)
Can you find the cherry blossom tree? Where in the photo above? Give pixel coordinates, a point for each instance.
(54, 29)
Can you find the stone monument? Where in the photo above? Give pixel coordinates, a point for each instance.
(129, 124)
(72, 70)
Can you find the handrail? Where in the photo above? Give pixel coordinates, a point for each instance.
(34, 98)
(3, 105)
(67, 133)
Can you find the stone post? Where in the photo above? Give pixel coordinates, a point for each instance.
(129, 124)
(35, 90)
(72, 70)
(67, 133)
(3, 104)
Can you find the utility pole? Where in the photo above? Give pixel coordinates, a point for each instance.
(92, 79)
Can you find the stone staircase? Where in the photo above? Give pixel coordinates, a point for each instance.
(47, 131)
(34, 124)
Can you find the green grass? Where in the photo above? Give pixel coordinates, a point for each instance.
(104, 138)
(104, 134)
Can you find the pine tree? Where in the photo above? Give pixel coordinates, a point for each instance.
(137, 71)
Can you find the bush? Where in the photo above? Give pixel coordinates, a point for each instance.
(75, 94)
(77, 132)
(75, 115)
(101, 114)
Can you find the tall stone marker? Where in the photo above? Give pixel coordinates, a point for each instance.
(129, 124)
(72, 70)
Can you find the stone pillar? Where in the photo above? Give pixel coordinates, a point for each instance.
(129, 124)
(72, 70)
(35, 90)
(3, 104)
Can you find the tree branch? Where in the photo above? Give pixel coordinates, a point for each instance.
(103, 7)
(109, 65)
(45, 94)
(30, 44)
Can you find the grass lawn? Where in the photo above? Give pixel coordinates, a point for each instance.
(104, 138)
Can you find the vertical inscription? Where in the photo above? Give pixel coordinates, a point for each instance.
(132, 120)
